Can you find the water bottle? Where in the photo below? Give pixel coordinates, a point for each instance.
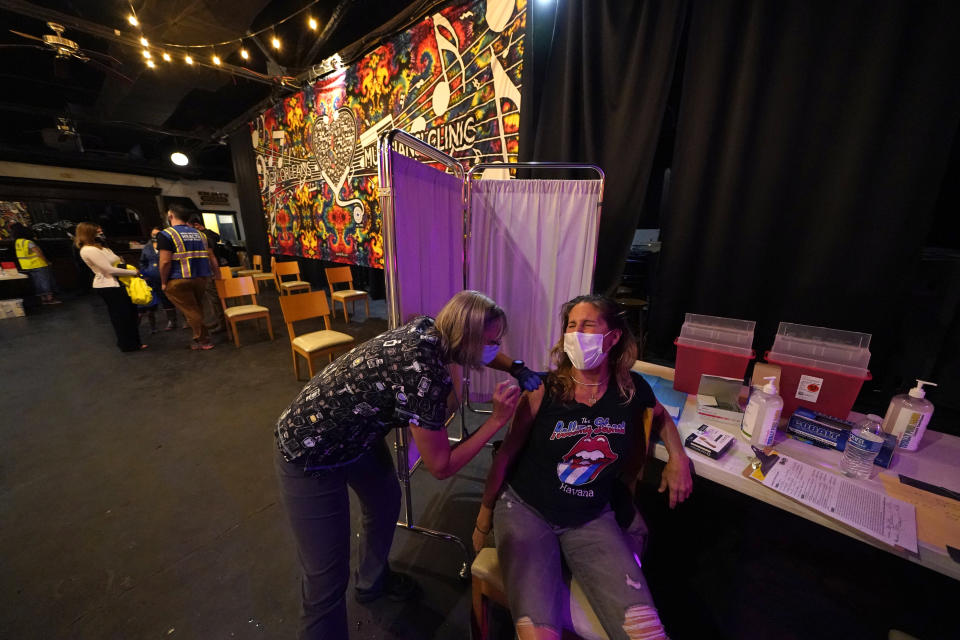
(863, 445)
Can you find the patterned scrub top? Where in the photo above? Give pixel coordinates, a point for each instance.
(388, 381)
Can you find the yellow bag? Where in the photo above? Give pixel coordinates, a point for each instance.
(137, 288)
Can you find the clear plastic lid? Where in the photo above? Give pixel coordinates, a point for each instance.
(848, 349)
(728, 332)
(745, 352)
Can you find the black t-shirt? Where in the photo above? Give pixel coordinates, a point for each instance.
(388, 381)
(574, 453)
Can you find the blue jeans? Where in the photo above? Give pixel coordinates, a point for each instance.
(42, 279)
(532, 553)
(319, 511)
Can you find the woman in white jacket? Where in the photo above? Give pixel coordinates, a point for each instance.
(102, 261)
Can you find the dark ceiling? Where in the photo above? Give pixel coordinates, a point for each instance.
(134, 123)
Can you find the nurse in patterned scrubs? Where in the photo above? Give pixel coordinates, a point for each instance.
(332, 437)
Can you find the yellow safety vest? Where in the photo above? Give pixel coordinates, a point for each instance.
(28, 256)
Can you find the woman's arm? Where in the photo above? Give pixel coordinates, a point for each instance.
(442, 461)
(676, 474)
(100, 262)
(516, 437)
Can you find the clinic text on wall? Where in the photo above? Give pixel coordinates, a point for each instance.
(452, 80)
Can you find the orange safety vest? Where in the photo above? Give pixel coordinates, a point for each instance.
(28, 256)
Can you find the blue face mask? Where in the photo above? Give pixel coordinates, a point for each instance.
(489, 353)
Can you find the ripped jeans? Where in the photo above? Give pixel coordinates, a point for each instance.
(532, 553)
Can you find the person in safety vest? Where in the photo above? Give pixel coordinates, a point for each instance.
(34, 264)
(186, 265)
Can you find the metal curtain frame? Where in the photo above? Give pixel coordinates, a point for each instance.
(391, 278)
(393, 288)
(468, 231)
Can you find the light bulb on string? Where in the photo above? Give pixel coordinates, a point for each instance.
(146, 54)
(151, 64)
(244, 54)
(144, 41)
(132, 19)
(216, 60)
(312, 22)
(188, 59)
(166, 57)
(276, 42)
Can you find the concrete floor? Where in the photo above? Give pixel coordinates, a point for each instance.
(138, 500)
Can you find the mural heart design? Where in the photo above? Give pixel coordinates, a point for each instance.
(334, 143)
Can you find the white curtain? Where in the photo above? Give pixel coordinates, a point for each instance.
(533, 247)
(428, 206)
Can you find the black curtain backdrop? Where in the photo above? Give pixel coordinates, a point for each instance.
(248, 192)
(596, 79)
(811, 144)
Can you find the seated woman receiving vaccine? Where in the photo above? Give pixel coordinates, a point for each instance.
(571, 442)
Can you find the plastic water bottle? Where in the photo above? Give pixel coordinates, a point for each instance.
(863, 445)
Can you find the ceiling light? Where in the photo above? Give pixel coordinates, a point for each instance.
(166, 57)
(313, 23)
(150, 64)
(188, 59)
(132, 19)
(144, 42)
(179, 159)
(216, 59)
(276, 42)
(244, 54)
(146, 54)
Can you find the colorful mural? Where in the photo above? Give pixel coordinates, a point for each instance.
(452, 80)
(10, 214)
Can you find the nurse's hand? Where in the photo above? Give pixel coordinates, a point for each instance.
(505, 398)
(528, 378)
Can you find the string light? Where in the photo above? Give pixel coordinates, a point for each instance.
(132, 19)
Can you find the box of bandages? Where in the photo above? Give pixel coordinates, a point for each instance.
(709, 441)
(718, 402)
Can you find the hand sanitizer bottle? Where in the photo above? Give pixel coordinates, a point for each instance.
(908, 415)
(762, 414)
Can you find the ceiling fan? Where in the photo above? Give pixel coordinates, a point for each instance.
(64, 48)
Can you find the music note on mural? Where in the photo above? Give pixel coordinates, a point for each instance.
(498, 14)
(503, 88)
(441, 92)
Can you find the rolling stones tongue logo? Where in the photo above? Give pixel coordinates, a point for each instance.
(584, 462)
(333, 143)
